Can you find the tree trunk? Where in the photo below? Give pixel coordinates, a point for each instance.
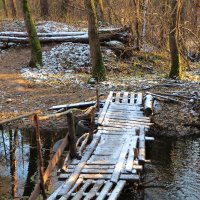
(36, 51)
(164, 25)
(144, 27)
(44, 6)
(137, 25)
(176, 69)
(196, 7)
(110, 12)
(99, 9)
(64, 7)
(14, 8)
(98, 69)
(5, 7)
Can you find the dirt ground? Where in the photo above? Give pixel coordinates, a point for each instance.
(18, 96)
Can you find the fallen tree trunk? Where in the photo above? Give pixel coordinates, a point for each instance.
(76, 37)
(60, 34)
(148, 105)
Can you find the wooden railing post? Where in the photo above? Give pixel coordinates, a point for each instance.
(39, 148)
(72, 137)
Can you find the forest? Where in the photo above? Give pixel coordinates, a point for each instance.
(64, 62)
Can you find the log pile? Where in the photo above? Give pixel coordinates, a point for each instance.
(119, 34)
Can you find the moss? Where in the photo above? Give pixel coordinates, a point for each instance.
(36, 50)
(98, 71)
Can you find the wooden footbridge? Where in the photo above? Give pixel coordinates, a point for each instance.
(115, 156)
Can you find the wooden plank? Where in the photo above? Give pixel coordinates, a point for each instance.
(74, 105)
(120, 162)
(92, 193)
(79, 194)
(133, 177)
(106, 105)
(93, 166)
(75, 175)
(125, 97)
(118, 97)
(55, 193)
(116, 192)
(129, 162)
(50, 167)
(102, 171)
(107, 187)
(125, 120)
(102, 158)
(126, 124)
(132, 98)
(141, 153)
(77, 184)
(139, 98)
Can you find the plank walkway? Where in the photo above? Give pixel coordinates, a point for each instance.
(116, 154)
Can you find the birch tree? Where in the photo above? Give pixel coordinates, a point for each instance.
(98, 69)
(36, 51)
(176, 69)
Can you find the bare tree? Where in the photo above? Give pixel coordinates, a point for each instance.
(98, 69)
(36, 51)
(64, 7)
(14, 8)
(144, 27)
(44, 8)
(176, 69)
(5, 7)
(137, 21)
(99, 9)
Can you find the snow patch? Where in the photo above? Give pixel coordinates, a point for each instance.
(51, 26)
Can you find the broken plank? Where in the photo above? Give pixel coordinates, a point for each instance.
(130, 159)
(120, 162)
(106, 105)
(75, 175)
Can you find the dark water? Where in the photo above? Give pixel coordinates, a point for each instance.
(19, 160)
(173, 174)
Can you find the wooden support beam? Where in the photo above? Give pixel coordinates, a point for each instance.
(72, 138)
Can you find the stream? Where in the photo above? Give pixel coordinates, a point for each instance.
(174, 172)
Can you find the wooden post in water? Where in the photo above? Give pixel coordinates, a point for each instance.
(39, 148)
(72, 138)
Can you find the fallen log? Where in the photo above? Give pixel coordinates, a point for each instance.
(75, 37)
(60, 34)
(148, 105)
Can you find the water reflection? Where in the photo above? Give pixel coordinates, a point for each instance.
(175, 171)
(19, 160)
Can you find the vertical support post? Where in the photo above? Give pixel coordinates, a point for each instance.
(72, 138)
(39, 148)
(97, 94)
(91, 128)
